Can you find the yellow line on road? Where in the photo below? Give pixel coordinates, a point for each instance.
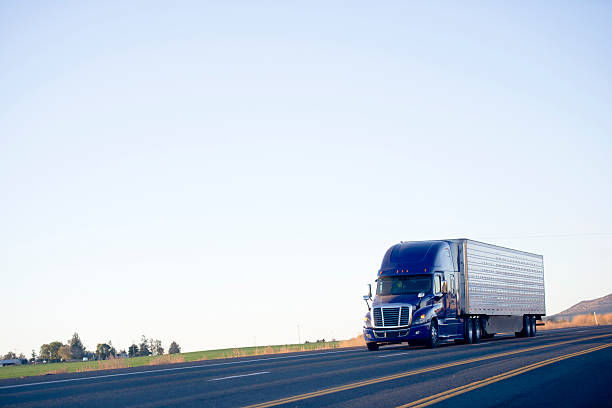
(433, 399)
(414, 372)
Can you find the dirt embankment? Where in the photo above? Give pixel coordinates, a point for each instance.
(576, 321)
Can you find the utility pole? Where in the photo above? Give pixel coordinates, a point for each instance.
(299, 340)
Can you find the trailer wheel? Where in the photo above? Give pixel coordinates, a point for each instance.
(527, 326)
(372, 346)
(532, 324)
(468, 329)
(476, 331)
(433, 340)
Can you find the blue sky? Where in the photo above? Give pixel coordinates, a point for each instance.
(219, 173)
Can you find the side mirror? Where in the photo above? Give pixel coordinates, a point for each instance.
(368, 296)
(421, 295)
(445, 287)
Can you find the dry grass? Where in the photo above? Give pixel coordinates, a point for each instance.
(110, 364)
(167, 359)
(62, 370)
(264, 350)
(354, 342)
(576, 321)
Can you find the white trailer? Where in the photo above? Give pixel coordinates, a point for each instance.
(500, 285)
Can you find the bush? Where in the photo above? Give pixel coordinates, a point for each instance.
(174, 348)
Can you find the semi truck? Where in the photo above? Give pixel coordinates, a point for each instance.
(429, 292)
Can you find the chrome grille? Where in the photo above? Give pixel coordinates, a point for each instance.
(405, 317)
(392, 316)
(377, 317)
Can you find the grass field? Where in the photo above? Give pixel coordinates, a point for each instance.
(82, 366)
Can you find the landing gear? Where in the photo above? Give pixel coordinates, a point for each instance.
(527, 328)
(372, 346)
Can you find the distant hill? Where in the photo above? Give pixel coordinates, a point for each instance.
(600, 306)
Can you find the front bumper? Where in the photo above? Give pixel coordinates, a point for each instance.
(416, 332)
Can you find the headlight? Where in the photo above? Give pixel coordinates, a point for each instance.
(367, 320)
(420, 318)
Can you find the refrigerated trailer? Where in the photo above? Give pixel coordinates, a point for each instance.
(429, 292)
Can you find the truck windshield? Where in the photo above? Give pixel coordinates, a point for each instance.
(403, 285)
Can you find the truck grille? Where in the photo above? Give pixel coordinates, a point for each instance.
(392, 316)
(377, 317)
(405, 317)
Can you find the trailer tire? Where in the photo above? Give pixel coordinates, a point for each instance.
(372, 346)
(476, 331)
(532, 324)
(468, 330)
(434, 339)
(527, 326)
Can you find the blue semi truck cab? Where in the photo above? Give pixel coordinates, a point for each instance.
(428, 292)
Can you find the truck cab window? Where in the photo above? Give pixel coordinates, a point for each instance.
(403, 285)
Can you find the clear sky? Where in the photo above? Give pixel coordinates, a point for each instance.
(218, 173)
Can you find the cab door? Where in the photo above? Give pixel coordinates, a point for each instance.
(450, 304)
(451, 296)
(440, 305)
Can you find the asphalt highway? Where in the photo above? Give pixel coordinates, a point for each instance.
(564, 368)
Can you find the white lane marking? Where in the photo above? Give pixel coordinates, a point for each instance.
(174, 369)
(238, 376)
(395, 354)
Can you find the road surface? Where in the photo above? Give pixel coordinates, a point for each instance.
(564, 368)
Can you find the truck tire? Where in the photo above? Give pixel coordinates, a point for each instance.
(532, 324)
(527, 326)
(433, 339)
(476, 331)
(468, 330)
(372, 346)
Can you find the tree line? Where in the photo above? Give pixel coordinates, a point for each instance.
(74, 349)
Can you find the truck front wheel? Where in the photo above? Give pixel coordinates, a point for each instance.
(372, 346)
(433, 340)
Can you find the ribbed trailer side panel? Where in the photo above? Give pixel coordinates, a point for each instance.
(503, 281)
